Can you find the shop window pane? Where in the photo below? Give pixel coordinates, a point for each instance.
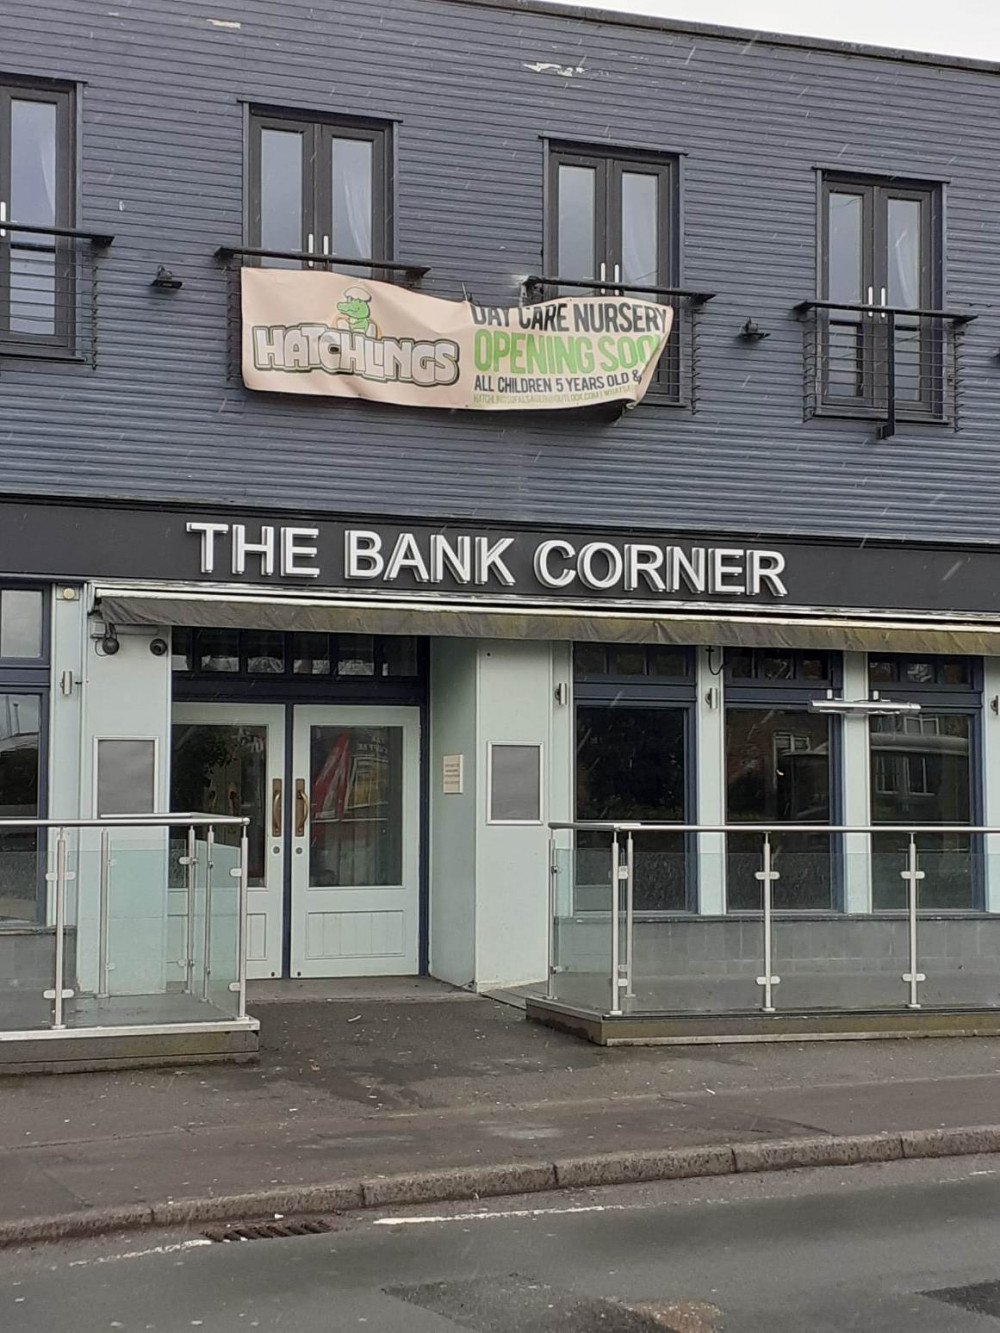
(627, 661)
(181, 648)
(668, 662)
(126, 777)
(265, 652)
(631, 763)
(955, 671)
(219, 650)
(815, 668)
(399, 656)
(778, 771)
(515, 783)
(740, 665)
(355, 655)
(920, 673)
(881, 670)
(922, 774)
(776, 666)
(310, 654)
(589, 659)
(20, 623)
(19, 754)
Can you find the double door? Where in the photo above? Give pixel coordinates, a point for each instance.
(332, 794)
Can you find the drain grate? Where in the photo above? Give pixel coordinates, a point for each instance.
(269, 1230)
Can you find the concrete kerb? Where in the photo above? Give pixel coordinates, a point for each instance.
(478, 1182)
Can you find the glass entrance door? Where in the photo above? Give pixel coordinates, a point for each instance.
(355, 841)
(229, 759)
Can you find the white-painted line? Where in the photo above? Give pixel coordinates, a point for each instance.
(140, 1254)
(500, 1213)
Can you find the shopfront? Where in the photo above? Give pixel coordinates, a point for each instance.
(401, 710)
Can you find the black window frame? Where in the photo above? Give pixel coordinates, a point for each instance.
(947, 699)
(790, 694)
(678, 693)
(317, 218)
(62, 341)
(876, 192)
(609, 164)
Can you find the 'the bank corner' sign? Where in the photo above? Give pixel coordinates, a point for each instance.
(325, 333)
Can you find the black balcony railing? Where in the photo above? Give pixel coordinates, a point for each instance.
(891, 364)
(48, 291)
(677, 379)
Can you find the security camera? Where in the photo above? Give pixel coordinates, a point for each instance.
(109, 641)
(159, 647)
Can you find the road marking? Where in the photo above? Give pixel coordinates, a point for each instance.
(139, 1254)
(511, 1212)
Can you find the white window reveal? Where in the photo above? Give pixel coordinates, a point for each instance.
(515, 784)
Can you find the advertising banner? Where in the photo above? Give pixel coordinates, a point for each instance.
(330, 334)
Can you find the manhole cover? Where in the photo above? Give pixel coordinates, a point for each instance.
(269, 1230)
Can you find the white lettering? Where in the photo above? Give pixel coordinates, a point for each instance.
(765, 567)
(242, 548)
(293, 551)
(406, 555)
(727, 563)
(644, 560)
(544, 574)
(585, 564)
(362, 554)
(209, 532)
(489, 561)
(269, 347)
(457, 559)
(689, 568)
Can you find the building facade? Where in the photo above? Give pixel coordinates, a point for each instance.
(403, 640)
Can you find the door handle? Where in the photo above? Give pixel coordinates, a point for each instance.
(301, 807)
(276, 808)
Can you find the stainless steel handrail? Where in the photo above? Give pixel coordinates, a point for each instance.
(638, 826)
(130, 821)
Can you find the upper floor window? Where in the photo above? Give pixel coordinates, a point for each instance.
(318, 186)
(881, 247)
(611, 217)
(36, 189)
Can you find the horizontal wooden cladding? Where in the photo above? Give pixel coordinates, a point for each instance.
(473, 95)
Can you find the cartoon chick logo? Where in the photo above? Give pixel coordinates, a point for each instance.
(356, 312)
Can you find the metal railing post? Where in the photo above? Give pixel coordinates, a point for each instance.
(244, 880)
(767, 876)
(553, 872)
(629, 915)
(616, 1003)
(912, 875)
(58, 993)
(209, 864)
(103, 963)
(191, 866)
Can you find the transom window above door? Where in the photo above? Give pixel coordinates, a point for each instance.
(880, 247)
(318, 186)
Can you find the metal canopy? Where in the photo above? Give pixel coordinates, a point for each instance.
(225, 607)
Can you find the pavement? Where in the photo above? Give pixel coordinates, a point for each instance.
(413, 1091)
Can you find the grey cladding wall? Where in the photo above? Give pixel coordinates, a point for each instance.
(473, 91)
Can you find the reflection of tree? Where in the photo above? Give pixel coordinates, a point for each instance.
(199, 752)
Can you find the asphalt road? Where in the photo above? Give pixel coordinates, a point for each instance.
(911, 1246)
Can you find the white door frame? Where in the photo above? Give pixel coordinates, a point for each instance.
(265, 905)
(401, 902)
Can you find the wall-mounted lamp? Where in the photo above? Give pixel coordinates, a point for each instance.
(873, 707)
(995, 703)
(165, 281)
(561, 693)
(751, 332)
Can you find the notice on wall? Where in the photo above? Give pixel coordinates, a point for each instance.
(331, 334)
(452, 774)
